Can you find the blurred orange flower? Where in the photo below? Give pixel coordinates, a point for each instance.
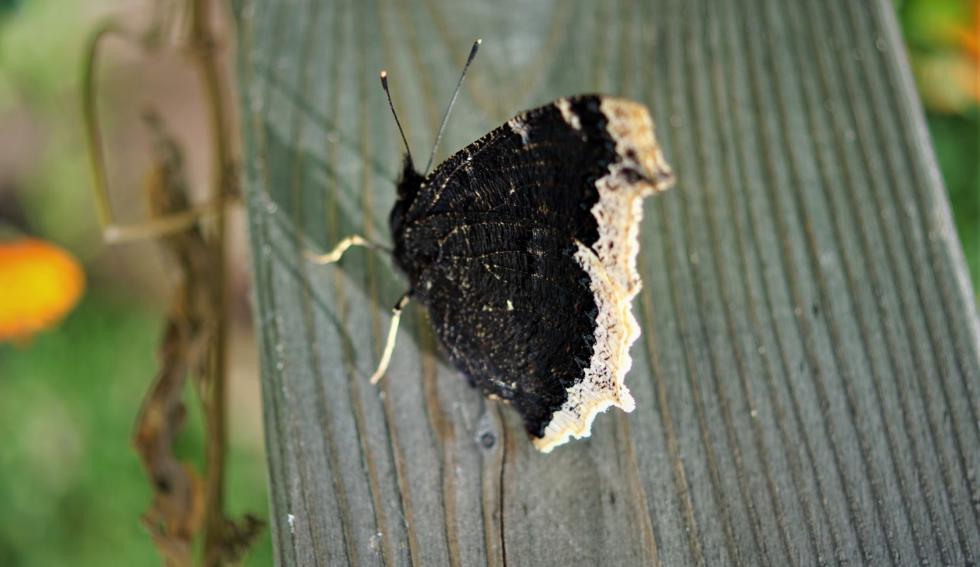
(39, 285)
(946, 52)
(968, 37)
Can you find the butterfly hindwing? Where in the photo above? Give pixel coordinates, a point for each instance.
(517, 319)
(522, 246)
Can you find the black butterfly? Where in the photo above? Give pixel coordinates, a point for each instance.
(523, 246)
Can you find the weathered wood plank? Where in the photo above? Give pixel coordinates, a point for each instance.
(808, 380)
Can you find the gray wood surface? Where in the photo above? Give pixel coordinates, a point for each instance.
(807, 378)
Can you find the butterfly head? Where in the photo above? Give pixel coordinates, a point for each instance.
(410, 181)
(409, 185)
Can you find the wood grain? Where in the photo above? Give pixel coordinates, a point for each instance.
(808, 379)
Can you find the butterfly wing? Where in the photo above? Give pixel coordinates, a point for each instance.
(522, 246)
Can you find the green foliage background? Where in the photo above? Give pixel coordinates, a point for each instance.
(71, 487)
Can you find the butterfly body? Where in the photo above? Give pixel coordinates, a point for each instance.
(522, 248)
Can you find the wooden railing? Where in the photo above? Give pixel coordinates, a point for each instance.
(807, 381)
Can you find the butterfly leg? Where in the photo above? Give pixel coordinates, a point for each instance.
(338, 251)
(396, 315)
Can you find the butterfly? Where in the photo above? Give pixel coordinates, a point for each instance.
(522, 247)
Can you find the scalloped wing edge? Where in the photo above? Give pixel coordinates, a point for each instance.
(610, 264)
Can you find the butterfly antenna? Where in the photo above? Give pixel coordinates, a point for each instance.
(452, 101)
(384, 85)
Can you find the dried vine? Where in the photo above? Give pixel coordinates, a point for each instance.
(195, 339)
